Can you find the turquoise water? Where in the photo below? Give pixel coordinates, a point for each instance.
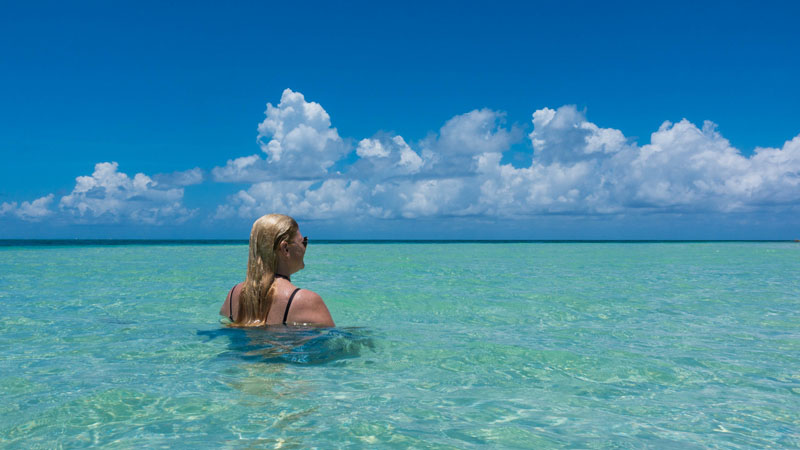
(588, 345)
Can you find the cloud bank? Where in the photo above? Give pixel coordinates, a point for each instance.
(111, 196)
(576, 168)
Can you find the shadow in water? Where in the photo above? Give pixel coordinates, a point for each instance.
(295, 345)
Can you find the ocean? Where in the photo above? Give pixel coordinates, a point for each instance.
(437, 345)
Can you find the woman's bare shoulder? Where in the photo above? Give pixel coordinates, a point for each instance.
(308, 307)
(231, 296)
(309, 296)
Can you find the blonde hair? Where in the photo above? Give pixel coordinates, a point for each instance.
(255, 298)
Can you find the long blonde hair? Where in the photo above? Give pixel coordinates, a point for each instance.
(255, 298)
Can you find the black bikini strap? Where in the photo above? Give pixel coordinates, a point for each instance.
(230, 303)
(288, 304)
(277, 275)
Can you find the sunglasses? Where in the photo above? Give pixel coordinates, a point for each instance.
(305, 242)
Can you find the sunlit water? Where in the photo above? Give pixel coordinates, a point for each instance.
(588, 345)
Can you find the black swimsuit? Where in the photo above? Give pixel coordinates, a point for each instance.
(288, 304)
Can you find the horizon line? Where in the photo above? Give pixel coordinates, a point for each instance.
(44, 242)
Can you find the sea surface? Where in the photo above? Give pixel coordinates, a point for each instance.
(437, 345)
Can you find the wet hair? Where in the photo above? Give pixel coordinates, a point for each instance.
(266, 236)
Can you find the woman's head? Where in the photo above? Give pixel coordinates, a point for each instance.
(272, 241)
(268, 238)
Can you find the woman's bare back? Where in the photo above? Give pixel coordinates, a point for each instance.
(306, 307)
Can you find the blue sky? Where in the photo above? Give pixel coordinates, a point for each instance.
(552, 120)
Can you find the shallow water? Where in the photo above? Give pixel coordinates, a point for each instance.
(661, 345)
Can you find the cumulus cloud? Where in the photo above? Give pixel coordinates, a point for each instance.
(298, 140)
(33, 211)
(245, 169)
(433, 197)
(452, 152)
(581, 168)
(577, 168)
(564, 136)
(476, 132)
(332, 199)
(384, 156)
(111, 196)
(373, 148)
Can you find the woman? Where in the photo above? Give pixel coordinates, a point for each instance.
(267, 296)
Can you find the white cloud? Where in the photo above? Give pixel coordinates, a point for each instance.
(383, 157)
(111, 196)
(539, 189)
(465, 136)
(564, 136)
(242, 170)
(476, 132)
(433, 197)
(776, 173)
(371, 148)
(389, 178)
(37, 209)
(331, 199)
(29, 211)
(298, 140)
(696, 169)
(578, 168)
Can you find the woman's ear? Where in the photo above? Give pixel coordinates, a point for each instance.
(284, 246)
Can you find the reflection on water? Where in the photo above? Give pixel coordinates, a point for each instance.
(297, 345)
